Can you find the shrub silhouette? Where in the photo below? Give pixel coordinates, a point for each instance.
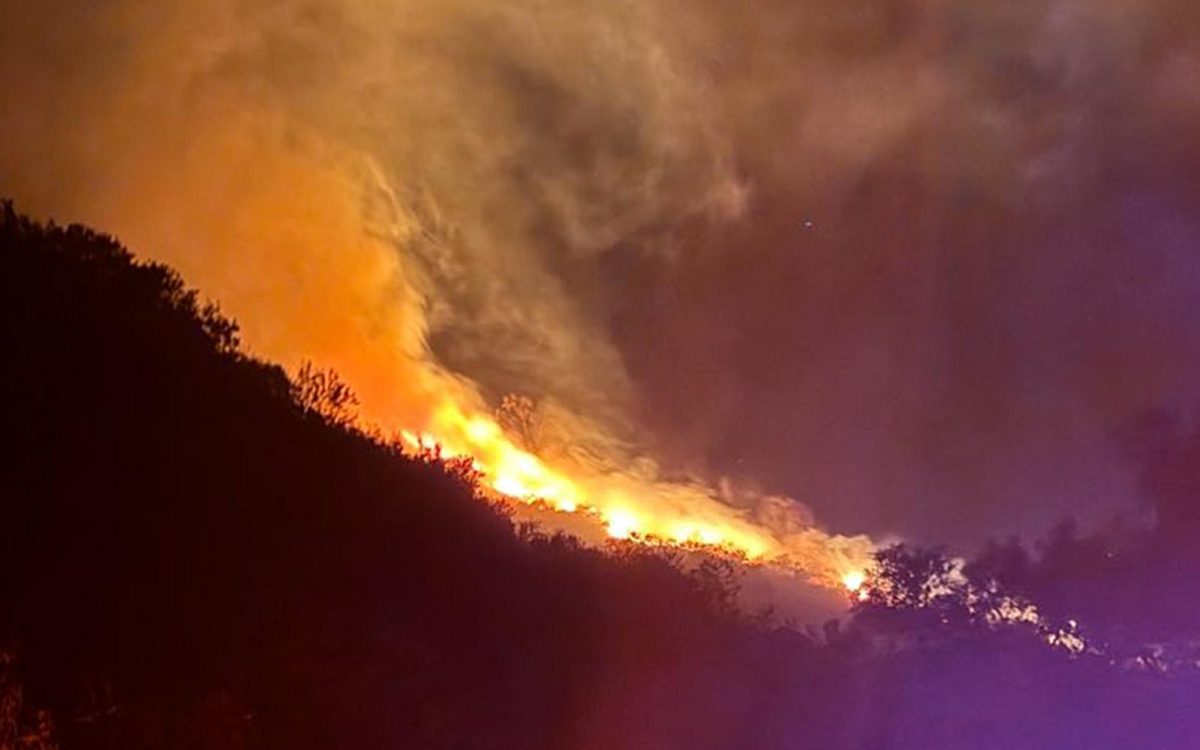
(323, 393)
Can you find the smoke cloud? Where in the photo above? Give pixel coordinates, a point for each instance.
(911, 261)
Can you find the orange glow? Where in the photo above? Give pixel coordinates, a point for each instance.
(299, 209)
(854, 580)
(269, 218)
(314, 215)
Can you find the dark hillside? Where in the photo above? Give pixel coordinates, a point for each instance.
(184, 546)
(193, 560)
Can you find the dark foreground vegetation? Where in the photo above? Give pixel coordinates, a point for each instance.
(197, 553)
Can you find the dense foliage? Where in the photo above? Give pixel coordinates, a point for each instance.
(197, 552)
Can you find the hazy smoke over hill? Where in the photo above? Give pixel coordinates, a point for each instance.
(882, 255)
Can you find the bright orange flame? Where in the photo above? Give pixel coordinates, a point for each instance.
(620, 508)
(854, 580)
(621, 524)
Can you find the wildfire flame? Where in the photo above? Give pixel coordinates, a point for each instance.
(517, 475)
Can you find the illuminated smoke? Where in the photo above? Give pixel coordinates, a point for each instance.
(399, 190)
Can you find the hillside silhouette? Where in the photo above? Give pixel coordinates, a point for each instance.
(197, 552)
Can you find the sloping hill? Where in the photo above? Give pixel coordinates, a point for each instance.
(191, 559)
(189, 554)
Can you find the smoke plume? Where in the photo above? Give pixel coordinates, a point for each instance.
(770, 241)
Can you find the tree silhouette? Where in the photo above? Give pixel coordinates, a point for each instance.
(908, 578)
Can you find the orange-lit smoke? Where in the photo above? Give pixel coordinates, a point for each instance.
(344, 179)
